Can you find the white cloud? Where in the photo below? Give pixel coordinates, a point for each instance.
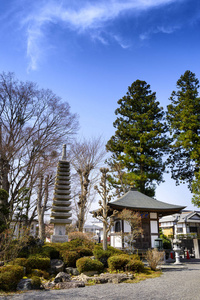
(162, 29)
(85, 16)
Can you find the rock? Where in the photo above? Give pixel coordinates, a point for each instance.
(116, 280)
(90, 273)
(72, 271)
(62, 277)
(24, 285)
(105, 277)
(57, 265)
(49, 285)
(69, 285)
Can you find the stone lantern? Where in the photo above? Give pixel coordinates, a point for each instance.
(177, 249)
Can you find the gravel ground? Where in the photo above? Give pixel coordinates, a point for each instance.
(174, 284)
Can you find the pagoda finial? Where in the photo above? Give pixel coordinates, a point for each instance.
(64, 154)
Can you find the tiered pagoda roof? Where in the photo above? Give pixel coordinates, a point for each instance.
(60, 212)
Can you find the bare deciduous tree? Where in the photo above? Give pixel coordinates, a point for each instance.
(105, 214)
(34, 125)
(85, 157)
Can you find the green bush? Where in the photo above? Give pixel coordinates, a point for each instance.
(86, 264)
(135, 266)
(22, 262)
(33, 262)
(36, 262)
(36, 282)
(72, 245)
(70, 258)
(10, 276)
(118, 262)
(33, 246)
(103, 255)
(49, 251)
(85, 252)
(40, 273)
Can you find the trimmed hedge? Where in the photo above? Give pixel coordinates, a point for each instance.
(49, 251)
(135, 266)
(103, 255)
(86, 264)
(118, 262)
(33, 262)
(125, 262)
(70, 257)
(10, 276)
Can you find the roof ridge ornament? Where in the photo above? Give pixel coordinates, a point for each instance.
(64, 152)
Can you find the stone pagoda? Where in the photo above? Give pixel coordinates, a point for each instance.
(60, 212)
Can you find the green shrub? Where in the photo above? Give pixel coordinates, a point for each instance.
(86, 264)
(36, 262)
(72, 245)
(85, 252)
(10, 276)
(102, 256)
(33, 262)
(118, 262)
(70, 258)
(135, 266)
(36, 282)
(49, 251)
(22, 262)
(40, 273)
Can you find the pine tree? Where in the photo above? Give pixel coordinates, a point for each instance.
(184, 120)
(140, 138)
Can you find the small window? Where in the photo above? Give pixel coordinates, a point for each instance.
(179, 230)
(193, 229)
(118, 226)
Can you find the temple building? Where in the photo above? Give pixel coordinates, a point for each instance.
(149, 208)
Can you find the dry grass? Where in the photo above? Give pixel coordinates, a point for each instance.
(154, 258)
(148, 273)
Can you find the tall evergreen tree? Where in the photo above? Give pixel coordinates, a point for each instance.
(183, 116)
(140, 140)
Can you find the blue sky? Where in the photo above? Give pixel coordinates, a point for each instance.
(89, 52)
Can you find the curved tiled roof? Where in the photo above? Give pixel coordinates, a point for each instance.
(138, 201)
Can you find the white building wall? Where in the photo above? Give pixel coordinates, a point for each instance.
(154, 226)
(116, 241)
(127, 227)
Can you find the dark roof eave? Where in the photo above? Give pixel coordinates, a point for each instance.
(153, 209)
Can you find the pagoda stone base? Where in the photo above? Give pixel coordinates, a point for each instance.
(59, 235)
(59, 238)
